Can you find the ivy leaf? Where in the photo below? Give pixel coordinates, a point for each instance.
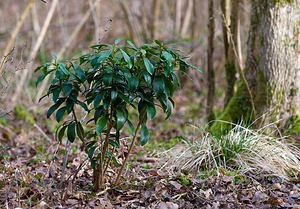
(71, 132)
(101, 124)
(151, 111)
(148, 65)
(144, 135)
(121, 120)
(127, 58)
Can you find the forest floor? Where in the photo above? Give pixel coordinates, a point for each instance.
(31, 163)
(29, 180)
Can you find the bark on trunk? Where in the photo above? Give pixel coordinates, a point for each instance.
(272, 65)
(210, 63)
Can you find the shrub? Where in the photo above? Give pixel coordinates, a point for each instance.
(105, 83)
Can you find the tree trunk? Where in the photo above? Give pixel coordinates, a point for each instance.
(210, 63)
(272, 65)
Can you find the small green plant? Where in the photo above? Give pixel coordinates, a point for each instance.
(105, 83)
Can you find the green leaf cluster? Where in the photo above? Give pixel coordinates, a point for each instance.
(105, 83)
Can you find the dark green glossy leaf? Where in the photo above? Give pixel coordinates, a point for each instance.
(70, 105)
(60, 113)
(98, 99)
(184, 62)
(168, 57)
(131, 126)
(133, 83)
(91, 151)
(67, 88)
(80, 130)
(158, 43)
(148, 79)
(62, 67)
(131, 44)
(123, 97)
(91, 143)
(56, 95)
(113, 143)
(40, 79)
(71, 132)
(169, 110)
(151, 111)
(121, 119)
(79, 73)
(94, 163)
(103, 55)
(101, 124)
(158, 85)
(114, 95)
(175, 79)
(54, 107)
(106, 102)
(61, 133)
(148, 65)
(107, 78)
(98, 113)
(99, 46)
(144, 134)
(126, 58)
(83, 105)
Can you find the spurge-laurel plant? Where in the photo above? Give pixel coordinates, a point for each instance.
(105, 83)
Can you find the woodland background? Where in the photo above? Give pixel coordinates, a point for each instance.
(31, 158)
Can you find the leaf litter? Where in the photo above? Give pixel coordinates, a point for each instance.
(30, 174)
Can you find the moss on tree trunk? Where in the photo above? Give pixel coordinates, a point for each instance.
(273, 61)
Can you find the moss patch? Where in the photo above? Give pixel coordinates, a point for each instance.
(21, 114)
(3, 120)
(238, 108)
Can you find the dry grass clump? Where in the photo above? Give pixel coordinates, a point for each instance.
(242, 149)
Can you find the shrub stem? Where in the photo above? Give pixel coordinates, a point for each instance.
(131, 146)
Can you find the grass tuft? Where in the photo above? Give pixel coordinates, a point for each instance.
(241, 149)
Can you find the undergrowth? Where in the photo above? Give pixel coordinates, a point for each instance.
(241, 149)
